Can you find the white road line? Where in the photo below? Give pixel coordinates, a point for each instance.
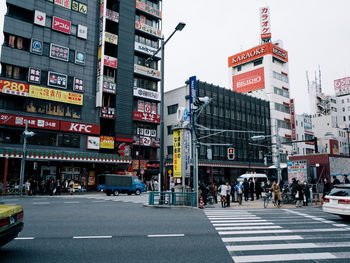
(283, 257)
(91, 237)
(9, 200)
(72, 202)
(248, 227)
(260, 238)
(41, 203)
(237, 221)
(341, 225)
(24, 238)
(279, 231)
(98, 201)
(287, 246)
(244, 224)
(232, 218)
(167, 235)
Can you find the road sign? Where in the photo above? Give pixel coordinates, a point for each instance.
(185, 114)
(170, 172)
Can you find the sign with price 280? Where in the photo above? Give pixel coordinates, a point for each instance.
(14, 88)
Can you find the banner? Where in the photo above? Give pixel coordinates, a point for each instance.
(93, 143)
(147, 117)
(111, 15)
(177, 153)
(107, 142)
(342, 86)
(79, 127)
(148, 9)
(110, 61)
(14, 88)
(111, 38)
(55, 95)
(249, 81)
(148, 29)
(147, 94)
(40, 123)
(292, 114)
(146, 71)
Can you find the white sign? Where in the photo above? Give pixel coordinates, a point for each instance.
(93, 143)
(265, 25)
(147, 94)
(147, 50)
(149, 72)
(82, 31)
(39, 18)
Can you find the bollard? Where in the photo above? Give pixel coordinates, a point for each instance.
(201, 203)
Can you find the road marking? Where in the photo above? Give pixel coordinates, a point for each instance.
(279, 231)
(248, 227)
(244, 224)
(99, 201)
(72, 202)
(167, 235)
(341, 225)
(232, 218)
(41, 203)
(91, 237)
(24, 238)
(260, 238)
(236, 221)
(284, 257)
(9, 200)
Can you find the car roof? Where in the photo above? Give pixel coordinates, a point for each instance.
(342, 186)
(253, 175)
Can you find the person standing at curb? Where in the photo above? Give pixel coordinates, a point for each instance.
(299, 196)
(223, 192)
(228, 194)
(239, 192)
(251, 188)
(276, 190)
(246, 189)
(306, 191)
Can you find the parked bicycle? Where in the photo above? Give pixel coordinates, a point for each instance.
(268, 198)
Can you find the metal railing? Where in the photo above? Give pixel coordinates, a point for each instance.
(172, 198)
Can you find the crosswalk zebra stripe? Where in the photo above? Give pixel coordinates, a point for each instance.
(237, 221)
(244, 224)
(280, 231)
(248, 227)
(232, 218)
(260, 238)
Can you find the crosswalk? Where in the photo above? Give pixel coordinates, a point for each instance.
(135, 199)
(280, 235)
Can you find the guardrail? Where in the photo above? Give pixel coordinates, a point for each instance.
(172, 198)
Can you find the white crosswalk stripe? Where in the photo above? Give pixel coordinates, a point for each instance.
(261, 236)
(135, 199)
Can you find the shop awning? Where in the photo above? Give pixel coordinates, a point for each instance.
(63, 156)
(229, 165)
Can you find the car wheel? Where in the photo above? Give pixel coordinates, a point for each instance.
(137, 192)
(345, 217)
(115, 192)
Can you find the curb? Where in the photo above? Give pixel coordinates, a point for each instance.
(171, 207)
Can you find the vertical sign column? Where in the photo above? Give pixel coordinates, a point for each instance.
(177, 153)
(101, 51)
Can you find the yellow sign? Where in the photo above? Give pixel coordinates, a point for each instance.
(82, 8)
(177, 153)
(111, 38)
(107, 142)
(55, 95)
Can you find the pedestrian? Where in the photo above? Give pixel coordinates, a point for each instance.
(306, 191)
(335, 180)
(52, 187)
(346, 180)
(233, 192)
(71, 187)
(267, 186)
(228, 194)
(239, 192)
(65, 186)
(276, 190)
(293, 187)
(246, 189)
(34, 187)
(215, 193)
(27, 187)
(257, 189)
(327, 187)
(223, 192)
(251, 189)
(58, 187)
(299, 196)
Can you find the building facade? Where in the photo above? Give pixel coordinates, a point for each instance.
(241, 117)
(75, 71)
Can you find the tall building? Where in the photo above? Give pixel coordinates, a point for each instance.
(75, 71)
(262, 72)
(241, 115)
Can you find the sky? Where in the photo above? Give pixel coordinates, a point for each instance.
(314, 32)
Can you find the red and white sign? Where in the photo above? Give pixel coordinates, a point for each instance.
(124, 150)
(265, 24)
(342, 86)
(140, 106)
(147, 106)
(110, 61)
(292, 113)
(144, 116)
(249, 81)
(107, 112)
(79, 127)
(14, 88)
(111, 15)
(39, 18)
(14, 120)
(154, 108)
(61, 25)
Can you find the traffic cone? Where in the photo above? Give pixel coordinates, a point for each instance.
(201, 203)
(316, 201)
(167, 200)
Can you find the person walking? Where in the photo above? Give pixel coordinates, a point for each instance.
(276, 190)
(58, 187)
(215, 193)
(239, 188)
(299, 196)
(251, 189)
(306, 191)
(335, 180)
(71, 187)
(327, 187)
(223, 192)
(27, 187)
(246, 189)
(346, 180)
(52, 187)
(228, 194)
(257, 189)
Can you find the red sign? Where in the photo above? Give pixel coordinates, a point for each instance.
(13, 120)
(334, 146)
(110, 61)
(14, 88)
(61, 25)
(265, 22)
(292, 113)
(342, 86)
(249, 81)
(144, 116)
(79, 127)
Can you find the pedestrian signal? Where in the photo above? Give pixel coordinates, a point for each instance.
(231, 153)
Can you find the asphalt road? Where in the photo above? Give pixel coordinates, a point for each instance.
(88, 229)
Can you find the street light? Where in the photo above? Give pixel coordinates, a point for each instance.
(179, 27)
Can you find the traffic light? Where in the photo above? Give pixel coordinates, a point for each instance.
(231, 153)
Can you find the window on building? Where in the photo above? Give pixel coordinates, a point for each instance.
(280, 77)
(258, 62)
(296, 123)
(284, 124)
(344, 118)
(343, 109)
(349, 117)
(342, 101)
(172, 109)
(281, 92)
(170, 150)
(170, 129)
(239, 68)
(283, 108)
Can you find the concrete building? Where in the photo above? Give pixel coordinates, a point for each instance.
(303, 131)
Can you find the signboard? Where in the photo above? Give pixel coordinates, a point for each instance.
(64, 3)
(36, 47)
(140, 106)
(111, 38)
(59, 52)
(146, 141)
(93, 143)
(14, 120)
(107, 112)
(78, 85)
(79, 58)
(57, 80)
(193, 90)
(148, 29)
(107, 142)
(124, 150)
(265, 25)
(79, 127)
(39, 18)
(334, 147)
(147, 117)
(249, 81)
(34, 76)
(111, 15)
(109, 87)
(82, 31)
(110, 61)
(298, 169)
(147, 50)
(258, 52)
(61, 25)
(149, 72)
(147, 106)
(342, 86)
(147, 94)
(79, 7)
(177, 153)
(101, 50)
(14, 88)
(148, 9)
(292, 114)
(55, 95)
(143, 164)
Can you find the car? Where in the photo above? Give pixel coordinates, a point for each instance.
(260, 177)
(337, 202)
(11, 222)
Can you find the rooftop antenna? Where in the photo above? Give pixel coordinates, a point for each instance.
(308, 82)
(319, 76)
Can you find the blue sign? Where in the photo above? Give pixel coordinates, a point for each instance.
(185, 114)
(193, 93)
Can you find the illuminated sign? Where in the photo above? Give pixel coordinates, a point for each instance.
(111, 38)
(148, 9)
(111, 15)
(55, 95)
(177, 153)
(79, 127)
(110, 61)
(93, 143)
(82, 31)
(147, 94)
(148, 29)
(59, 52)
(34, 75)
(147, 49)
(147, 117)
(78, 85)
(14, 88)
(57, 80)
(79, 58)
(36, 46)
(39, 18)
(15, 120)
(107, 142)
(107, 112)
(64, 3)
(265, 25)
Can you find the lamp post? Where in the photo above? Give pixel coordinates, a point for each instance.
(179, 27)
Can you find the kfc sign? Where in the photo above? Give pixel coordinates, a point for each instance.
(79, 127)
(147, 117)
(265, 24)
(61, 25)
(249, 81)
(342, 86)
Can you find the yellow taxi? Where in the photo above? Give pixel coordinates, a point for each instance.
(11, 222)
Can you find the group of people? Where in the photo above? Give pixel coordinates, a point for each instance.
(50, 186)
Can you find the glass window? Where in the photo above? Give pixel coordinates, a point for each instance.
(172, 109)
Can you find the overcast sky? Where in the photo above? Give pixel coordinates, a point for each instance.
(314, 32)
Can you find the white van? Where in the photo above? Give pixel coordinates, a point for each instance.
(260, 177)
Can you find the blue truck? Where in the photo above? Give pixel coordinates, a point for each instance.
(117, 183)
